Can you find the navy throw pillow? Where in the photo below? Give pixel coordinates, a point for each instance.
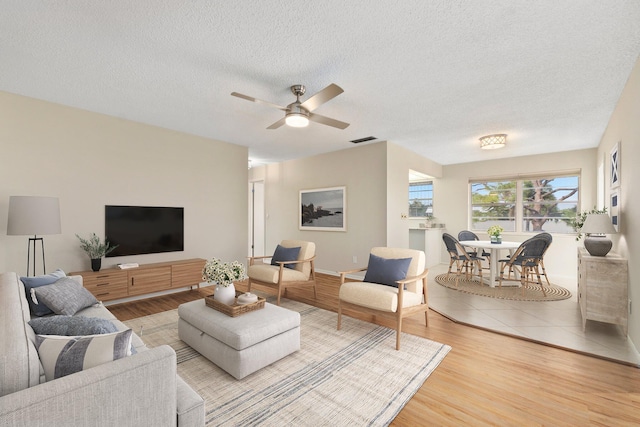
(30, 283)
(385, 271)
(285, 254)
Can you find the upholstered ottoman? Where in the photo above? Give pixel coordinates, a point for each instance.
(240, 345)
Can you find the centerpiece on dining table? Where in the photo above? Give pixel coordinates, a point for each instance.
(223, 274)
(495, 233)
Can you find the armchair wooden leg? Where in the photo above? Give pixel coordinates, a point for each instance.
(398, 333)
(339, 315)
(249, 285)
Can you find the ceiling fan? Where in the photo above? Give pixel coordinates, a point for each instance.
(298, 114)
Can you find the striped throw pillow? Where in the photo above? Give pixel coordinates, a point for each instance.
(61, 356)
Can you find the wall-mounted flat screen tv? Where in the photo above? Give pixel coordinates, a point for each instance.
(141, 230)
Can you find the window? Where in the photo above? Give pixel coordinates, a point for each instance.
(421, 199)
(525, 204)
(493, 203)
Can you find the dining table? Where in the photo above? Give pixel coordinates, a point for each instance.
(494, 249)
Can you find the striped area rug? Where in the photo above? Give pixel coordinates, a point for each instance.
(511, 290)
(339, 378)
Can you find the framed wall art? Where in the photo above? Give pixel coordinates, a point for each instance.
(614, 208)
(323, 209)
(614, 160)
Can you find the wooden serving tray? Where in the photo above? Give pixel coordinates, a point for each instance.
(235, 309)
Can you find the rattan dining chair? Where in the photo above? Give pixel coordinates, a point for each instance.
(470, 235)
(461, 258)
(526, 259)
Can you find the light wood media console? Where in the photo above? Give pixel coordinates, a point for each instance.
(114, 283)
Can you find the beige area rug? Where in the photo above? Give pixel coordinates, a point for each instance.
(339, 378)
(531, 292)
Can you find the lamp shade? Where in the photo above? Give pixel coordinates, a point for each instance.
(598, 224)
(30, 215)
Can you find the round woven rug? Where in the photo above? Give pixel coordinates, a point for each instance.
(531, 292)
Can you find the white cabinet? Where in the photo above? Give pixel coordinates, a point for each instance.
(602, 288)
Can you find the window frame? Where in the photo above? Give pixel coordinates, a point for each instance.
(518, 218)
(421, 182)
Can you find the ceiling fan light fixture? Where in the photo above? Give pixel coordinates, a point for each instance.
(491, 142)
(297, 120)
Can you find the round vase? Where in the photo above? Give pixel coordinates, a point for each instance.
(96, 263)
(225, 294)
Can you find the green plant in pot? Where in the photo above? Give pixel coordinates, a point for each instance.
(95, 249)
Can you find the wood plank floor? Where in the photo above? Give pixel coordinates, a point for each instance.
(487, 378)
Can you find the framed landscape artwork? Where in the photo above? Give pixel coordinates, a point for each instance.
(323, 209)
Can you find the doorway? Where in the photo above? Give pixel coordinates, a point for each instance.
(256, 219)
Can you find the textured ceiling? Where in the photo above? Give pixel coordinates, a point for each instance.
(432, 76)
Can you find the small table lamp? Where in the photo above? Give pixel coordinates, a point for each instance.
(29, 215)
(598, 224)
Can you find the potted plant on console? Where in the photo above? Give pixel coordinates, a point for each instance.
(223, 274)
(94, 247)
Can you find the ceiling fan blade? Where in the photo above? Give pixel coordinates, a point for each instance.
(326, 94)
(277, 124)
(259, 101)
(328, 121)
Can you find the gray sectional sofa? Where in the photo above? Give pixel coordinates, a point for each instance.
(138, 390)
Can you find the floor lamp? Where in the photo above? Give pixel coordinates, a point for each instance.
(29, 215)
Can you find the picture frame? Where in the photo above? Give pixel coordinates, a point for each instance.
(614, 164)
(323, 209)
(614, 209)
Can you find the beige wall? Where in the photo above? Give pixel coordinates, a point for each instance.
(624, 127)
(89, 160)
(399, 162)
(377, 181)
(358, 170)
(561, 261)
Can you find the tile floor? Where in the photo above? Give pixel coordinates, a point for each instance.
(554, 322)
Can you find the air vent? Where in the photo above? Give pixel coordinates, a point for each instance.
(368, 138)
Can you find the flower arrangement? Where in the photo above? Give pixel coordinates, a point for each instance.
(94, 247)
(222, 273)
(495, 230)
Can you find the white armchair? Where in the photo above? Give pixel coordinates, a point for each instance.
(298, 271)
(405, 291)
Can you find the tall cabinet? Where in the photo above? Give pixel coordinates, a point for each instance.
(602, 288)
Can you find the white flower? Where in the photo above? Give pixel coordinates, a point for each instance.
(495, 230)
(222, 273)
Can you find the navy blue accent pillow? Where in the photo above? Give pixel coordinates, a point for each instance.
(385, 271)
(285, 254)
(37, 308)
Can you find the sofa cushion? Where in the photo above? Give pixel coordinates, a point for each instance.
(65, 296)
(72, 325)
(285, 254)
(31, 283)
(61, 356)
(386, 271)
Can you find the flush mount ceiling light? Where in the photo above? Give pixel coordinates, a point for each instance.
(491, 142)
